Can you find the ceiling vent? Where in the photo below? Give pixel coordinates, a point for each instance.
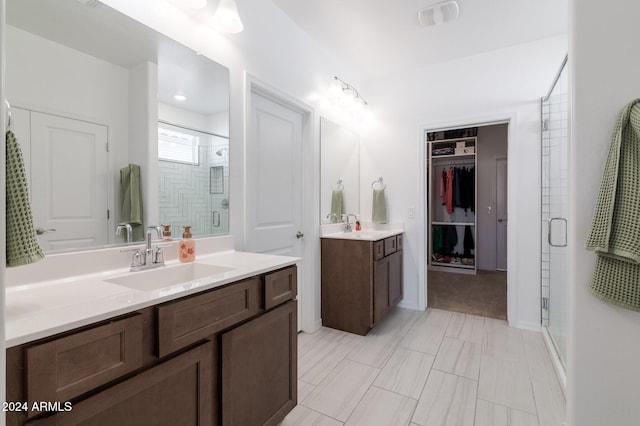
(438, 14)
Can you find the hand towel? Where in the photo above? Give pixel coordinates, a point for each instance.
(131, 200)
(337, 205)
(22, 245)
(615, 229)
(379, 210)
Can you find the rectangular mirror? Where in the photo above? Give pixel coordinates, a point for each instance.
(88, 87)
(339, 171)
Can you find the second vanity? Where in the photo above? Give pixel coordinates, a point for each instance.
(208, 343)
(361, 278)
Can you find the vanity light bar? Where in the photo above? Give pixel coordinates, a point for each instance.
(346, 86)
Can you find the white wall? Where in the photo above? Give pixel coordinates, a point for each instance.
(604, 340)
(272, 50)
(502, 84)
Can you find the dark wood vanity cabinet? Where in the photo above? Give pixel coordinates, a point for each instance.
(226, 356)
(360, 281)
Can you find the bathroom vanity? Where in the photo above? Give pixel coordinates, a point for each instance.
(361, 278)
(217, 349)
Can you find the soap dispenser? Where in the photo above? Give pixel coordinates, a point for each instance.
(187, 247)
(166, 233)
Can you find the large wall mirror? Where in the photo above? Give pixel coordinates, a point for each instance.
(93, 91)
(339, 171)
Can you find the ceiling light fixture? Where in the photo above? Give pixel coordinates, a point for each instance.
(438, 13)
(226, 18)
(350, 91)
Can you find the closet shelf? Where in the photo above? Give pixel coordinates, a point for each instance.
(449, 156)
(454, 223)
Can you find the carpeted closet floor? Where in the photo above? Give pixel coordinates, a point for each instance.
(484, 294)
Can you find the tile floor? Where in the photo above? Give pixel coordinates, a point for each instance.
(433, 368)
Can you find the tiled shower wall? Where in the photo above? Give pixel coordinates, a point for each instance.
(185, 197)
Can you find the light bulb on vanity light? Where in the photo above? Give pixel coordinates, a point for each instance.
(179, 97)
(226, 19)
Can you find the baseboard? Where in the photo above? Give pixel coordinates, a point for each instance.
(555, 360)
(529, 326)
(413, 306)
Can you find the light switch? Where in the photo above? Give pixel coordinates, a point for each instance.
(411, 213)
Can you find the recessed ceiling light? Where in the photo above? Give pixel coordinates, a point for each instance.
(180, 97)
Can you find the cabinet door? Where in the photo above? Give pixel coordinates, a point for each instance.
(69, 366)
(380, 289)
(178, 391)
(395, 278)
(259, 369)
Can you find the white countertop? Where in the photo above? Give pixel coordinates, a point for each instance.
(45, 308)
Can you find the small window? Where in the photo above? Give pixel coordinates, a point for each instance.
(178, 147)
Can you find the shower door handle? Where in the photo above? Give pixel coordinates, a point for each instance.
(549, 233)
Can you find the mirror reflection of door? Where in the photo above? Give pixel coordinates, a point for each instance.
(501, 214)
(68, 162)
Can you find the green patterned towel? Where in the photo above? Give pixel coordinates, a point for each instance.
(131, 200)
(379, 207)
(337, 205)
(615, 230)
(21, 242)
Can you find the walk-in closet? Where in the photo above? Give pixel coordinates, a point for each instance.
(467, 219)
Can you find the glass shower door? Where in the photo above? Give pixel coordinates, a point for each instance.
(555, 138)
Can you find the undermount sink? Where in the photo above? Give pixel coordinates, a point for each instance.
(168, 276)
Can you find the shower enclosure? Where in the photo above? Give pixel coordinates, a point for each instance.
(555, 138)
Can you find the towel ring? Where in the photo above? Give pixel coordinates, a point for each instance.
(338, 186)
(379, 180)
(8, 113)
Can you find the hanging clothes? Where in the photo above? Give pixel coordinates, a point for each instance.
(443, 187)
(467, 243)
(449, 202)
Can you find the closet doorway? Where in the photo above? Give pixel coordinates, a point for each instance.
(466, 240)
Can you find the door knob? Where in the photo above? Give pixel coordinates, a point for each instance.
(299, 235)
(40, 230)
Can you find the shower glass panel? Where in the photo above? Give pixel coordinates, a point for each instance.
(555, 138)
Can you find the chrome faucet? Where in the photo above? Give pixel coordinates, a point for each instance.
(333, 218)
(347, 226)
(128, 228)
(150, 257)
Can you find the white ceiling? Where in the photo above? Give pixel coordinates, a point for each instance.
(379, 37)
(105, 33)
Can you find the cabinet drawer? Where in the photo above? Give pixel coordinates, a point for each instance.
(390, 245)
(189, 320)
(280, 286)
(178, 391)
(72, 365)
(378, 249)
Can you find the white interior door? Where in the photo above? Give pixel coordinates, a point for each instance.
(274, 179)
(501, 217)
(68, 182)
